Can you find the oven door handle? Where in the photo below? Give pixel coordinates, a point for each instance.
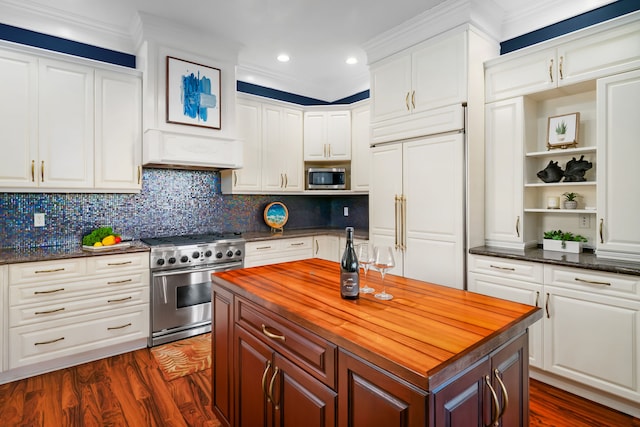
(164, 290)
(222, 267)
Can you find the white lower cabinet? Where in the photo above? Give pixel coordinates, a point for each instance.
(272, 251)
(326, 247)
(68, 308)
(3, 332)
(590, 332)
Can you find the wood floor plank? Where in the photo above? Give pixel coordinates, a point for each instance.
(130, 390)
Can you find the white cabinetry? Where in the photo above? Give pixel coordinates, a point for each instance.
(64, 117)
(590, 332)
(327, 135)
(326, 247)
(118, 131)
(282, 165)
(585, 55)
(360, 148)
(429, 75)
(60, 310)
(272, 251)
(249, 178)
(618, 176)
(3, 304)
(420, 216)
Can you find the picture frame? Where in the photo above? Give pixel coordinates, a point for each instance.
(193, 94)
(562, 131)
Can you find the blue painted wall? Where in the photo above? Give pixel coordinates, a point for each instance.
(171, 202)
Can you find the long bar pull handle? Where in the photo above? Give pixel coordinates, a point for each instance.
(406, 101)
(276, 405)
(505, 394)
(49, 342)
(546, 306)
(496, 404)
(119, 263)
(264, 380)
(403, 207)
(42, 170)
(119, 299)
(271, 334)
(601, 227)
(53, 270)
(560, 67)
(33, 170)
(551, 70)
(502, 268)
(55, 310)
(518, 225)
(591, 282)
(397, 202)
(111, 328)
(48, 292)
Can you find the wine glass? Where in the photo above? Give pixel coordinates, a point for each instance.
(383, 261)
(365, 260)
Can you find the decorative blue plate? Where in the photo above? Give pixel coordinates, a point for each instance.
(276, 215)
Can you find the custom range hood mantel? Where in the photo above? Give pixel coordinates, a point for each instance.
(172, 143)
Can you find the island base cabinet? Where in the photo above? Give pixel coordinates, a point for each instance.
(371, 397)
(272, 391)
(492, 392)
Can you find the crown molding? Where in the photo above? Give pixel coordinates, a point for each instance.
(485, 15)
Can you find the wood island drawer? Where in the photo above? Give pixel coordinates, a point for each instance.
(311, 352)
(508, 268)
(36, 272)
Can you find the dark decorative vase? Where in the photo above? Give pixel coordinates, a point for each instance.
(552, 173)
(574, 172)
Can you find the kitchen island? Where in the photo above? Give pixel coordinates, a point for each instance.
(286, 347)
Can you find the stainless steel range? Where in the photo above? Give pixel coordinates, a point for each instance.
(181, 268)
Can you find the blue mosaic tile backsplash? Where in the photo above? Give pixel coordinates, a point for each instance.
(171, 202)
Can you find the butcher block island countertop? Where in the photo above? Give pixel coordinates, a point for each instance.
(426, 335)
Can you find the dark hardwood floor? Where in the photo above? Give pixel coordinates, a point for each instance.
(129, 390)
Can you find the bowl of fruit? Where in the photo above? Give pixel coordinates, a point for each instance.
(101, 239)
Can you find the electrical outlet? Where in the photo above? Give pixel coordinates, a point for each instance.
(38, 220)
(585, 221)
(345, 211)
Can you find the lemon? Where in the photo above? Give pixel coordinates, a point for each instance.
(96, 244)
(109, 240)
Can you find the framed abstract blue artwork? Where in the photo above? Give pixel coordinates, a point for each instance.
(193, 94)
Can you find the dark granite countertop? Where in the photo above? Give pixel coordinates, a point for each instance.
(253, 236)
(586, 260)
(50, 253)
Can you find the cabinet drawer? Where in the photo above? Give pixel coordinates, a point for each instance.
(110, 263)
(63, 290)
(278, 250)
(594, 281)
(35, 344)
(508, 268)
(32, 272)
(311, 352)
(64, 308)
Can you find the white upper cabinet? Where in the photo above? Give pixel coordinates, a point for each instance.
(282, 164)
(585, 55)
(327, 135)
(68, 126)
(618, 192)
(360, 148)
(118, 131)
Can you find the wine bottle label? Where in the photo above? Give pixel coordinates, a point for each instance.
(349, 284)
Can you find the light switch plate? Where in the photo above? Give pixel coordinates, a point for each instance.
(38, 220)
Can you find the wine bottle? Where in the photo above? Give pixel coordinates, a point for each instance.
(349, 270)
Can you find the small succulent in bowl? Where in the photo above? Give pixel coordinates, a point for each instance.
(570, 201)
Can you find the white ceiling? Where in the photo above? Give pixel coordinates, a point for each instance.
(318, 35)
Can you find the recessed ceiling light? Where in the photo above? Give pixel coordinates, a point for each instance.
(352, 60)
(283, 57)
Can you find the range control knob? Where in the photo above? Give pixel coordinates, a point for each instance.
(172, 260)
(238, 252)
(229, 253)
(208, 254)
(160, 261)
(184, 258)
(196, 255)
(218, 255)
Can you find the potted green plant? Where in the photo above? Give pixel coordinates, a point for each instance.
(563, 241)
(570, 201)
(561, 130)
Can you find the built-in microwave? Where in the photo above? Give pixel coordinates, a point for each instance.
(326, 178)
